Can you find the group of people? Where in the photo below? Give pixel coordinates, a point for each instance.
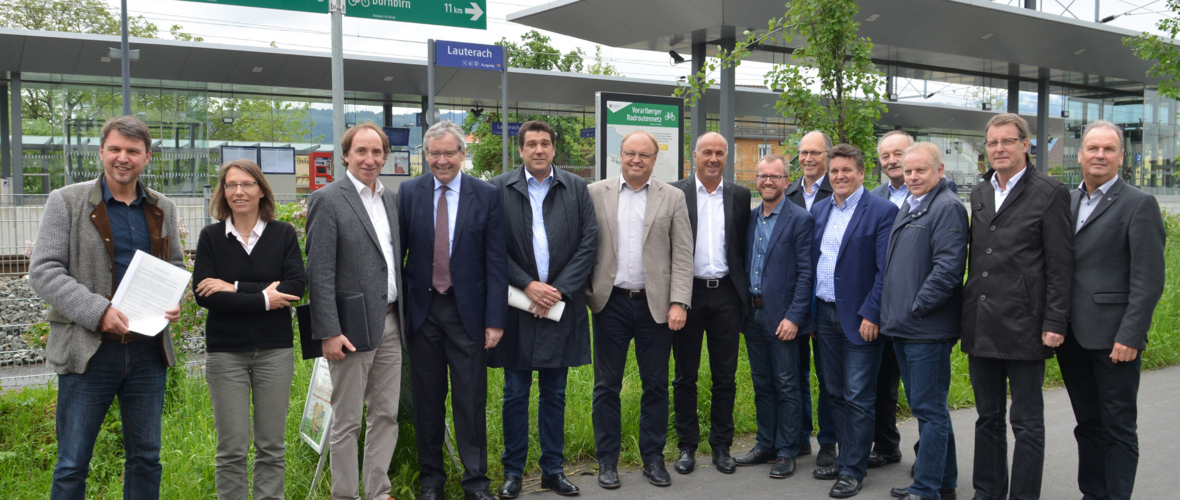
(867, 284)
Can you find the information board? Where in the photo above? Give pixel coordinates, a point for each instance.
(513, 129)
(397, 163)
(277, 160)
(661, 116)
(468, 55)
(317, 410)
(231, 153)
(398, 136)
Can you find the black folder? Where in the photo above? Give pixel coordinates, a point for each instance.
(354, 324)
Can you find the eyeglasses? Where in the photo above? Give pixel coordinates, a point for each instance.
(643, 156)
(813, 154)
(764, 177)
(1008, 143)
(451, 155)
(233, 186)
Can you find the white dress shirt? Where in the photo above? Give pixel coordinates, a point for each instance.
(1002, 193)
(809, 198)
(452, 206)
(1090, 201)
(708, 260)
(375, 207)
(247, 245)
(538, 190)
(632, 206)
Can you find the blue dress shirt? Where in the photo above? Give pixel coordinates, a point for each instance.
(537, 192)
(762, 234)
(129, 231)
(452, 205)
(829, 250)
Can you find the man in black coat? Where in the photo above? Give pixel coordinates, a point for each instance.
(920, 311)
(552, 243)
(1015, 306)
(719, 214)
(1118, 279)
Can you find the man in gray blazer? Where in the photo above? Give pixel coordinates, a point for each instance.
(89, 233)
(641, 288)
(352, 244)
(1118, 250)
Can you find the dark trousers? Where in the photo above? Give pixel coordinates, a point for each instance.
(926, 369)
(135, 373)
(443, 343)
(777, 401)
(991, 379)
(808, 352)
(1103, 395)
(621, 320)
(886, 438)
(851, 376)
(718, 311)
(551, 384)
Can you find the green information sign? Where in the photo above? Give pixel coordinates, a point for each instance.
(642, 114)
(317, 6)
(460, 14)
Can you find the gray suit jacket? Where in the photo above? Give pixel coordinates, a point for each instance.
(1118, 268)
(344, 255)
(667, 247)
(72, 268)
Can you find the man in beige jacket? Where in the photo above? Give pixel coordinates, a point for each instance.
(640, 289)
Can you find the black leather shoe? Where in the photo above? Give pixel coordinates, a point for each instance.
(559, 484)
(845, 487)
(877, 459)
(656, 474)
(723, 461)
(687, 461)
(755, 457)
(903, 491)
(608, 476)
(510, 488)
(804, 450)
(479, 495)
(429, 493)
(827, 455)
(782, 468)
(826, 473)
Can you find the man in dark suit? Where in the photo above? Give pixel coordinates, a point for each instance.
(717, 211)
(848, 255)
(552, 241)
(456, 275)
(814, 185)
(1015, 306)
(779, 270)
(886, 438)
(1117, 282)
(352, 238)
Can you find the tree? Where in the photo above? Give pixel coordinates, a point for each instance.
(976, 97)
(601, 67)
(260, 120)
(831, 60)
(1162, 50)
(534, 52)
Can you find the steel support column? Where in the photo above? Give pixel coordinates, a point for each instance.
(1043, 120)
(728, 110)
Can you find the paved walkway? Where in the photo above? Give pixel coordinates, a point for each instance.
(1159, 443)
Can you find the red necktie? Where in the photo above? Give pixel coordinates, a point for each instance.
(441, 278)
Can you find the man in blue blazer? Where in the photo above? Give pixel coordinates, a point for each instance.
(848, 255)
(456, 275)
(779, 269)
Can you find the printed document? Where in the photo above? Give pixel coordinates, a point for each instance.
(518, 299)
(149, 288)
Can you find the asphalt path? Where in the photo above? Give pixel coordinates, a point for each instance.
(1158, 477)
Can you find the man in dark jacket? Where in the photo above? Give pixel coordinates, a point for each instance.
(1118, 279)
(718, 213)
(1015, 306)
(920, 305)
(552, 242)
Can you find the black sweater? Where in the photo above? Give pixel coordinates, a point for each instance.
(238, 321)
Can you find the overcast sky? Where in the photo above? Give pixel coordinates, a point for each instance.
(247, 26)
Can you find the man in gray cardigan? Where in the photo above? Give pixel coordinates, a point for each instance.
(89, 233)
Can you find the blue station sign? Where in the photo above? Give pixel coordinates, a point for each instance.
(513, 129)
(468, 55)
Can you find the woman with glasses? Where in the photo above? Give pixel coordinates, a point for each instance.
(248, 272)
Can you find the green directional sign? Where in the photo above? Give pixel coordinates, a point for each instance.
(317, 6)
(460, 14)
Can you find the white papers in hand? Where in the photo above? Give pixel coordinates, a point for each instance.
(517, 299)
(149, 289)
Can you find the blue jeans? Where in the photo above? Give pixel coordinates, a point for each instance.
(926, 371)
(823, 405)
(777, 401)
(135, 373)
(551, 384)
(850, 372)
